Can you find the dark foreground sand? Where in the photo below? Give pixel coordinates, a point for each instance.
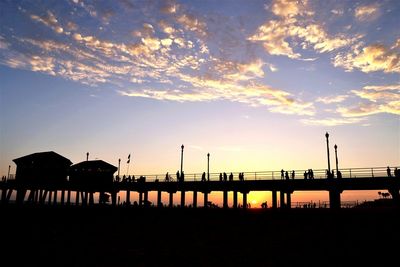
(105, 236)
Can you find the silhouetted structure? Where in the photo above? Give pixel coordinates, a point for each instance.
(42, 168)
(92, 174)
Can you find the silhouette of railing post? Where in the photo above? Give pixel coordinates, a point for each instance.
(146, 198)
(128, 197)
(288, 200)
(225, 199)
(140, 199)
(282, 199)
(159, 198)
(182, 198)
(62, 197)
(194, 199)
(68, 197)
(171, 199)
(235, 199)
(244, 200)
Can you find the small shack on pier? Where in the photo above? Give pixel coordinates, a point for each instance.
(92, 175)
(42, 168)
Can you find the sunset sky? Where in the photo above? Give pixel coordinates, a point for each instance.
(254, 83)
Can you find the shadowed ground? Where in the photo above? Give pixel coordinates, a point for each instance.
(105, 236)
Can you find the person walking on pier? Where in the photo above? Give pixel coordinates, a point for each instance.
(282, 174)
(396, 172)
(178, 178)
(287, 175)
(389, 172)
(231, 177)
(220, 177)
(203, 177)
(305, 175)
(293, 175)
(225, 177)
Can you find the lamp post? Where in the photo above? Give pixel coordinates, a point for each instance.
(337, 168)
(87, 156)
(327, 150)
(8, 175)
(182, 158)
(208, 166)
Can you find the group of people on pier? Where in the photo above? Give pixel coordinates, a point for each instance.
(396, 172)
(223, 177)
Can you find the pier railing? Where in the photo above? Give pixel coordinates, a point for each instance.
(370, 172)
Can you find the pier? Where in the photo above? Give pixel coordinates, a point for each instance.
(69, 193)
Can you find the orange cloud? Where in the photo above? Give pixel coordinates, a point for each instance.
(368, 12)
(371, 58)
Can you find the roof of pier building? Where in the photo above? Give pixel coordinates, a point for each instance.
(46, 166)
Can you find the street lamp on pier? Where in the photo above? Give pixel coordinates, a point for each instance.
(337, 168)
(208, 166)
(182, 158)
(327, 150)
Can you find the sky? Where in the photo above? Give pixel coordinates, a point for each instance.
(256, 84)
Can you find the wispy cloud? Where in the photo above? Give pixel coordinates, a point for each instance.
(380, 99)
(332, 121)
(367, 12)
(332, 99)
(294, 23)
(375, 57)
(50, 21)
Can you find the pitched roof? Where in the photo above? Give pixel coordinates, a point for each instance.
(47, 156)
(94, 164)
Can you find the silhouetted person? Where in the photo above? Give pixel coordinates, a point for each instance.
(293, 174)
(310, 174)
(389, 172)
(339, 174)
(220, 177)
(282, 174)
(182, 176)
(396, 173)
(333, 174)
(287, 175)
(231, 177)
(328, 174)
(178, 178)
(305, 175)
(225, 177)
(167, 177)
(203, 177)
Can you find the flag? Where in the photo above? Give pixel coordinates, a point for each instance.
(129, 158)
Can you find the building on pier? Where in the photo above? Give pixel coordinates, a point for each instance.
(92, 174)
(42, 168)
